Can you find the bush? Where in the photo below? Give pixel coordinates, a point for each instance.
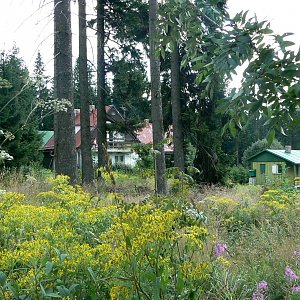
(146, 160)
(237, 174)
(123, 168)
(67, 247)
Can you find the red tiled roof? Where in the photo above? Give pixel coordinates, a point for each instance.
(93, 122)
(145, 136)
(50, 144)
(93, 115)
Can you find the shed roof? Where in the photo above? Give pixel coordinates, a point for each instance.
(46, 135)
(293, 157)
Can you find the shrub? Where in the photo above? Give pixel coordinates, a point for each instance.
(148, 251)
(237, 174)
(144, 151)
(66, 246)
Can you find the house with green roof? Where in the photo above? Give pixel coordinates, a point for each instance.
(47, 153)
(272, 166)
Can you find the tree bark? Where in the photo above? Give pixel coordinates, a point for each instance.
(156, 103)
(86, 152)
(101, 113)
(64, 129)
(176, 109)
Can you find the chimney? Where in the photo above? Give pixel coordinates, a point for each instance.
(288, 149)
(146, 122)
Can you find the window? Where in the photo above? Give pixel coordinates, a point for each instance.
(262, 168)
(119, 159)
(276, 169)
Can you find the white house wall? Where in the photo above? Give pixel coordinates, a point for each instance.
(129, 158)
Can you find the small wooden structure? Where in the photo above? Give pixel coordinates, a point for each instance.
(271, 166)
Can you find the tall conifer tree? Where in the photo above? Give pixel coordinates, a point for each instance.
(86, 153)
(65, 152)
(156, 103)
(16, 115)
(42, 93)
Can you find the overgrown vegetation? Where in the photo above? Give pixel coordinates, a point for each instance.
(197, 243)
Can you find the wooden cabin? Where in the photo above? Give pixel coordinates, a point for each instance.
(271, 166)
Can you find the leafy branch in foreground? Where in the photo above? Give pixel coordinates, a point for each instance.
(270, 84)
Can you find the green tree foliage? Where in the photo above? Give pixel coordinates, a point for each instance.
(214, 152)
(17, 101)
(254, 130)
(199, 105)
(120, 26)
(125, 27)
(126, 22)
(213, 46)
(257, 147)
(91, 84)
(130, 90)
(145, 153)
(126, 30)
(42, 92)
(270, 83)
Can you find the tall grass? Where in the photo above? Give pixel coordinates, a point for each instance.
(170, 239)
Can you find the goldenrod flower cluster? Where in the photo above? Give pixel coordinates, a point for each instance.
(66, 246)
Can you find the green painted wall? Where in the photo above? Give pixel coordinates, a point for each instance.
(267, 156)
(289, 169)
(268, 177)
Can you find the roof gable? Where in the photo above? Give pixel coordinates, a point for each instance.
(293, 157)
(145, 136)
(111, 113)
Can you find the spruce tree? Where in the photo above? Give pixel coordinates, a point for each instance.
(64, 148)
(130, 90)
(86, 140)
(42, 92)
(156, 103)
(16, 103)
(91, 84)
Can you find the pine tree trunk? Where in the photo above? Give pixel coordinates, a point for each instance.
(156, 104)
(86, 152)
(176, 109)
(101, 113)
(64, 129)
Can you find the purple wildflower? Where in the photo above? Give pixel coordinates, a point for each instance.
(220, 248)
(296, 289)
(290, 274)
(258, 296)
(297, 253)
(262, 285)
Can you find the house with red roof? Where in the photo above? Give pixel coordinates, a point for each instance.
(119, 144)
(145, 136)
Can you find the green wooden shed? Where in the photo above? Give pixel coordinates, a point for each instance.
(271, 166)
